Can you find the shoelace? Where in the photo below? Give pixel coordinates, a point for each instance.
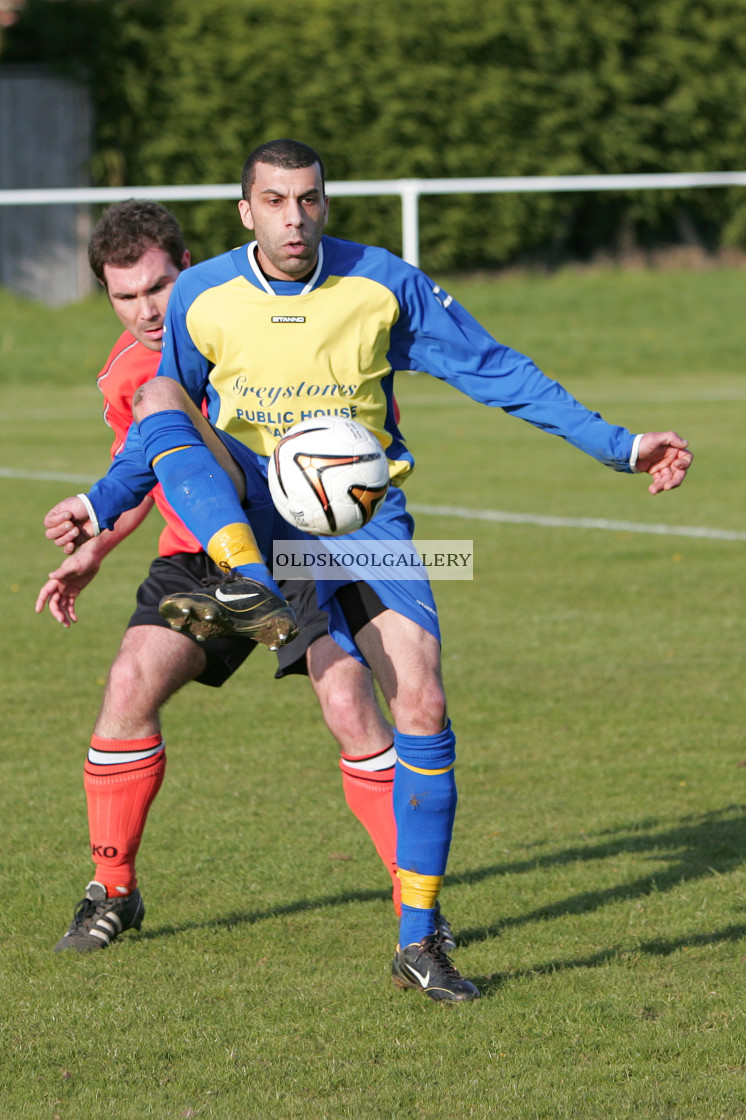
(85, 910)
(433, 948)
(213, 581)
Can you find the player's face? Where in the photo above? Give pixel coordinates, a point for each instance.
(139, 294)
(287, 210)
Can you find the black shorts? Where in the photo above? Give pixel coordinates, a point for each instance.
(359, 603)
(183, 572)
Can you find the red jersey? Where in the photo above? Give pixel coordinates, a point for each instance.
(128, 366)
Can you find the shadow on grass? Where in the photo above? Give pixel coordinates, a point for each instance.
(299, 906)
(662, 947)
(712, 843)
(694, 847)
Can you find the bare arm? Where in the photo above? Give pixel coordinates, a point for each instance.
(65, 583)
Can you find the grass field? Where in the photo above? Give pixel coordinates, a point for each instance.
(597, 880)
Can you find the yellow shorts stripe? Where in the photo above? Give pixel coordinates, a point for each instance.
(170, 451)
(417, 769)
(419, 891)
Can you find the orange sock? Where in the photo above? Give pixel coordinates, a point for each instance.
(368, 785)
(121, 779)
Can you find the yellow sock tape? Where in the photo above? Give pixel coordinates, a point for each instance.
(419, 891)
(233, 545)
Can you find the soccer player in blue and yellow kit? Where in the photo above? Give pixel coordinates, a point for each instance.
(136, 252)
(296, 324)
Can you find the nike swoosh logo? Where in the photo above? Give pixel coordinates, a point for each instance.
(226, 598)
(424, 980)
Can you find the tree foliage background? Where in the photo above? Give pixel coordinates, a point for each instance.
(184, 89)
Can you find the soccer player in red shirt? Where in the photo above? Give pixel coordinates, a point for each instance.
(137, 251)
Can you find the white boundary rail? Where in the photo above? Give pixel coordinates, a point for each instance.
(409, 190)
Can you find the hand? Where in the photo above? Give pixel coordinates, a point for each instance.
(664, 457)
(65, 584)
(67, 524)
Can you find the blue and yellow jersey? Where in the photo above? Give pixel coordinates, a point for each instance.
(267, 354)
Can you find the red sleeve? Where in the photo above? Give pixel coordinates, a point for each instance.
(128, 366)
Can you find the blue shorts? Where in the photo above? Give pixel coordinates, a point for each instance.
(411, 598)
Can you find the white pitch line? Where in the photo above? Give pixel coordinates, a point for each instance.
(464, 514)
(47, 476)
(577, 522)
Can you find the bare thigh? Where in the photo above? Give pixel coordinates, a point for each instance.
(346, 694)
(406, 661)
(151, 665)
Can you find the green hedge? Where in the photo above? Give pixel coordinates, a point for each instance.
(183, 89)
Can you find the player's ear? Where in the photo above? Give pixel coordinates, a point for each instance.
(326, 208)
(186, 259)
(244, 210)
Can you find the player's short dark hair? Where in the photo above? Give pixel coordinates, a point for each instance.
(128, 229)
(288, 154)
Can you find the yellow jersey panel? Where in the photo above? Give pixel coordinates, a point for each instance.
(277, 361)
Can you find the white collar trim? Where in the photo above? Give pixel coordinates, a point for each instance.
(254, 265)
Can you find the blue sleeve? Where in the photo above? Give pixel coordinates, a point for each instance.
(435, 335)
(129, 477)
(128, 480)
(180, 358)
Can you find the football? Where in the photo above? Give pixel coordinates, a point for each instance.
(328, 476)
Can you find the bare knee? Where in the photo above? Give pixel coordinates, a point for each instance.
(127, 680)
(152, 664)
(346, 696)
(421, 710)
(340, 714)
(156, 395)
(128, 704)
(355, 721)
(406, 660)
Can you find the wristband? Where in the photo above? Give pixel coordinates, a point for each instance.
(633, 455)
(91, 513)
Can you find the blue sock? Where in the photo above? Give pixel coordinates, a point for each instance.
(424, 808)
(198, 489)
(259, 572)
